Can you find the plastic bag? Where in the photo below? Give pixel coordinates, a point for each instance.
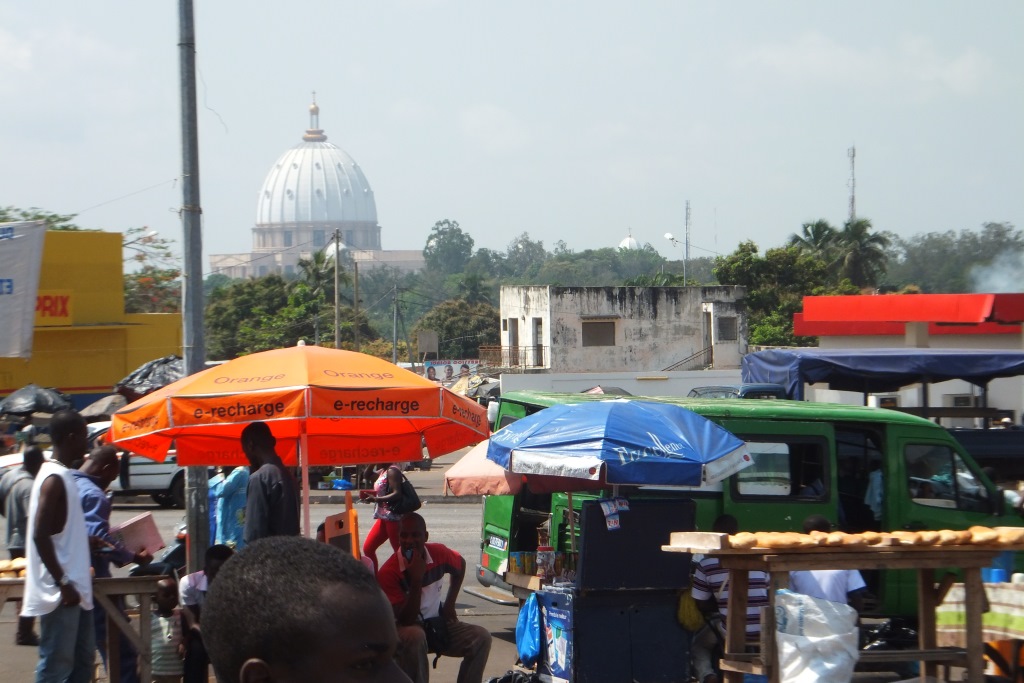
(816, 639)
(688, 614)
(528, 631)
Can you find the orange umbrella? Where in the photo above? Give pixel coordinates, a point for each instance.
(336, 407)
(343, 407)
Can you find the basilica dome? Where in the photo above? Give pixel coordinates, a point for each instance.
(317, 185)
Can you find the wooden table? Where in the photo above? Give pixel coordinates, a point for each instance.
(105, 594)
(923, 559)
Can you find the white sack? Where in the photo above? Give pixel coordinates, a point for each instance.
(816, 639)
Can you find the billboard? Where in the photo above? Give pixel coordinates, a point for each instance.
(454, 374)
(21, 258)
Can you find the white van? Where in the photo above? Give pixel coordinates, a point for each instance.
(164, 481)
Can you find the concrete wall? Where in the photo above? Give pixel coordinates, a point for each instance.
(655, 327)
(636, 383)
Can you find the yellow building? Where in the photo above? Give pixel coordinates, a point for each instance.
(84, 341)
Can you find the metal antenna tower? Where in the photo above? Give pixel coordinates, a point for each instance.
(686, 252)
(852, 153)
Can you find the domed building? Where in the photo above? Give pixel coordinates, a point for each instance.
(314, 190)
(629, 242)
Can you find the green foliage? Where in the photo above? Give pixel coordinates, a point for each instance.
(944, 262)
(461, 327)
(238, 317)
(448, 248)
(853, 253)
(54, 221)
(152, 290)
(475, 289)
(860, 254)
(776, 284)
(269, 313)
(524, 257)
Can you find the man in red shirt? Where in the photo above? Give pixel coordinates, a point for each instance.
(412, 581)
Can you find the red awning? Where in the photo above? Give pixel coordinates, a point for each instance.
(904, 308)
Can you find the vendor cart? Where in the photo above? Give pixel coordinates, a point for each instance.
(614, 618)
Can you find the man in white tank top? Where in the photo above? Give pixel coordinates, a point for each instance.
(58, 586)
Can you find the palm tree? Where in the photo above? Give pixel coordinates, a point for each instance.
(862, 257)
(474, 289)
(317, 278)
(818, 238)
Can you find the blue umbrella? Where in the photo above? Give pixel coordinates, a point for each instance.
(620, 442)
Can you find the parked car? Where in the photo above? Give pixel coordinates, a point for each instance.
(163, 481)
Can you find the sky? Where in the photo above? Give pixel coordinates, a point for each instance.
(579, 122)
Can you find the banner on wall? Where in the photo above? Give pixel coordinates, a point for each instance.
(453, 374)
(21, 258)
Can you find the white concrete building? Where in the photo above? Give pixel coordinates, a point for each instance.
(612, 329)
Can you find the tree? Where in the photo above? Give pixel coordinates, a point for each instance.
(475, 289)
(54, 221)
(951, 261)
(461, 327)
(861, 255)
(152, 290)
(239, 316)
(448, 248)
(776, 284)
(524, 256)
(818, 239)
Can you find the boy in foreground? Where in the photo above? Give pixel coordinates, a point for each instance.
(289, 610)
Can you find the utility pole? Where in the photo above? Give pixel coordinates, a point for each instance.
(337, 288)
(686, 242)
(394, 325)
(852, 153)
(355, 304)
(197, 513)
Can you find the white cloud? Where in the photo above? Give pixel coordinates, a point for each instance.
(913, 66)
(493, 129)
(15, 52)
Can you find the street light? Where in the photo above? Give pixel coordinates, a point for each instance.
(675, 243)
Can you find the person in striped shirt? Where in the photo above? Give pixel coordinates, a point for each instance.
(167, 646)
(710, 588)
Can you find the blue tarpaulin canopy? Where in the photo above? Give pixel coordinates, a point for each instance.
(877, 370)
(620, 442)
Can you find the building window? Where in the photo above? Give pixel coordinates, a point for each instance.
(727, 329)
(264, 270)
(289, 270)
(599, 333)
(287, 238)
(504, 324)
(318, 238)
(348, 239)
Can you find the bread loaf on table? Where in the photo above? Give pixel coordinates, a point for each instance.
(742, 540)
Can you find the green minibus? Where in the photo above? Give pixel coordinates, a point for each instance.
(862, 468)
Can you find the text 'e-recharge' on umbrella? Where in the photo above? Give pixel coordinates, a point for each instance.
(620, 442)
(335, 407)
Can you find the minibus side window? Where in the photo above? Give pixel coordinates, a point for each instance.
(785, 469)
(938, 477)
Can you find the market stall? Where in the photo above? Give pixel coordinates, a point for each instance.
(923, 559)
(608, 610)
(107, 592)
